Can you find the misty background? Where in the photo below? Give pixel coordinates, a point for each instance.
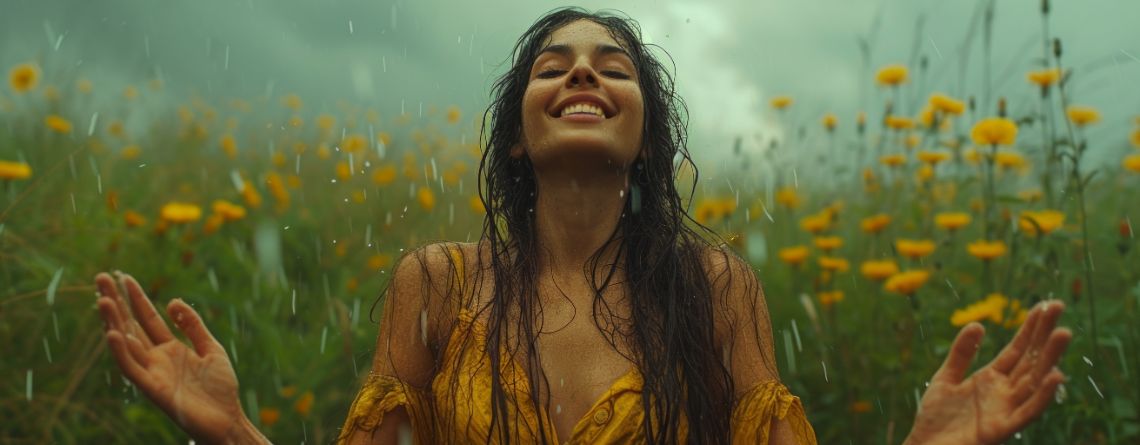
(731, 56)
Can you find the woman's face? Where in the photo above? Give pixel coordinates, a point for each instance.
(583, 102)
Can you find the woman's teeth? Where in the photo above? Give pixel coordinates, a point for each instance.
(583, 108)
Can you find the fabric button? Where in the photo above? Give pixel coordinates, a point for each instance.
(601, 416)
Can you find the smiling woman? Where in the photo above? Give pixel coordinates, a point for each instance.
(591, 310)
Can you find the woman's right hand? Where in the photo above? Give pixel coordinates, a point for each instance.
(196, 386)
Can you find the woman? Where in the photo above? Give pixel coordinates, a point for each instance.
(607, 319)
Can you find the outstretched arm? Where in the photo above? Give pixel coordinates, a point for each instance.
(1002, 397)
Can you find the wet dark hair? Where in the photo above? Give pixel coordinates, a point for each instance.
(671, 330)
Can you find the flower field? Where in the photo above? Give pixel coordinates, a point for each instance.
(279, 217)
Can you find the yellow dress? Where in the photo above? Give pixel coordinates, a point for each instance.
(440, 414)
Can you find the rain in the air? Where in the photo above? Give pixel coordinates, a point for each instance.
(633, 221)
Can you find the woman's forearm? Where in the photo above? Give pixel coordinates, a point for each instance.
(242, 433)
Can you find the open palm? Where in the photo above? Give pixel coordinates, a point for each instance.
(1002, 397)
(196, 386)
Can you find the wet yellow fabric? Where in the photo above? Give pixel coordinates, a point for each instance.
(440, 414)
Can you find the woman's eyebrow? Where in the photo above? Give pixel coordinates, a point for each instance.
(602, 49)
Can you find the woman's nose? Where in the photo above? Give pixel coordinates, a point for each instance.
(582, 74)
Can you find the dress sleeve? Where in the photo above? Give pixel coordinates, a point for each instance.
(765, 403)
(380, 395)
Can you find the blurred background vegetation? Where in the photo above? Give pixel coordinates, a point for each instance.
(876, 233)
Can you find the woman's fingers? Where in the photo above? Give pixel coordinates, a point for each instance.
(1011, 354)
(1038, 401)
(110, 289)
(120, 350)
(1051, 353)
(191, 324)
(1035, 355)
(145, 313)
(962, 352)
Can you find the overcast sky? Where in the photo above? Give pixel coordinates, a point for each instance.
(732, 56)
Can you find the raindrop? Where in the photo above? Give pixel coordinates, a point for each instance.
(91, 126)
(423, 326)
(1017, 435)
(1096, 387)
(73, 208)
(324, 336)
(226, 64)
(825, 373)
(53, 286)
(558, 409)
(350, 30)
(213, 278)
(47, 349)
(1059, 395)
(233, 350)
(28, 386)
(1087, 361)
(295, 301)
(796, 330)
(790, 352)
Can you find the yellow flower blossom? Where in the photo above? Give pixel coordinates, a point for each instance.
(292, 101)
(23, 77)
(250, 195)
(794, 255)
(304, 404)
(326, 122)
(180, 213)
(296, 122)
(1010, 160)
(269, 416)
(343, 171)
(134, 219)
(1131, 162)
(899, 122)
(781, 102)
(907, 283)
(84, 86)
(1046, 220)
(229, 146)
(426, 198)
(828, 243)
(1082, 116)
(130, 92)
(933, 157)
(323, 151)
(453, 114)
(379, 261)
(891, 75)
(384, 175)
(914, 249)
(893, 160)
(992, 308)
(834, 264)
(228, 210)
(1135, 139)
(1044, 78)
(828, 298)
(946, 104)
(477, 204)
(1030, 195)
(829, 121)
(879, 270)
(277, 189)
(787, 197)
(58, 124)
(876, 223)
(816, 223)
(354, 143)
(213, 223)
(986, 250)
(14, 170)
(994, 131)
(952, 221)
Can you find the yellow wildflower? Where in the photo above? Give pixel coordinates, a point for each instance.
(952, 220)
(23, 77)
(291, 101)
(354, 143)
(1010, 160)
(908, 282)
(426, 198)
(914, 249)
(1131, 162)
(453, 114)
(213, 223)
(891, 75)
(781, 102)
(15, 170)
(1030, 195)
(131, 152)
(269, 416)
(384, 175)
(58, 124)
(477, 205)
(229, 146)
(304, 404)
(986, 250)
(828, 298)
(296, 122)
(816, 223)
(994, 131)
(828, 243)
(343, 171)
(794, 255)
(933, 157)
(992, 308)
(946, 104)
(787, 197)
(899, 122)
(250, 195)
(1046, 220)
(1044, 78)
(876, 223)
(130, 92)
(1135, 138)
(833, 264)
(379, 261)
(893, 160)
(229, 210)
(829, 122)
(84, 86)
(879, 270)
(326, 122)
(134, 219)
(180, 213)
(1082, 115)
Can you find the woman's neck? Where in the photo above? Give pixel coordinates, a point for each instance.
(575, 215)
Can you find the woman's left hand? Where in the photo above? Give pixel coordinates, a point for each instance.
(1002, 397)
